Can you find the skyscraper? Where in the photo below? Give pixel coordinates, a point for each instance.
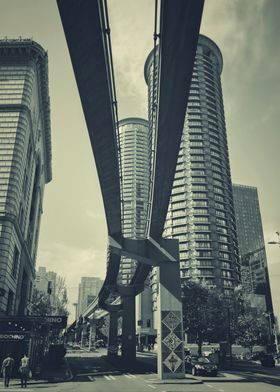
(201, 213)
(25, 166)
(135, 148)
(135, 170)
(88, 291)
(254, 271)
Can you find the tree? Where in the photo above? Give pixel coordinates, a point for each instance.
(209, 315)
(252, 327)
(203, 313)
(41, 304)
(52, 303)
(60, 299)
(252, 330)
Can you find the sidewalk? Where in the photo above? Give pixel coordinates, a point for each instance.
(49, 375)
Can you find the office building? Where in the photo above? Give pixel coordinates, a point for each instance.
(25, 166)
(254, 270)
(88, 291)
(201, 212)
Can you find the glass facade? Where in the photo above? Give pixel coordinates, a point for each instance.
(201, 213)
(254, 271)
(25, 166)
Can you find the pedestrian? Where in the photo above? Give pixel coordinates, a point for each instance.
(6, 369)
(24, 370)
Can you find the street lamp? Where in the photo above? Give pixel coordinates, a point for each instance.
(274, 329)
(275, 242)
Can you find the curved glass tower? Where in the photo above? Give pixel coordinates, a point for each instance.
(201, 212)
(135, 166)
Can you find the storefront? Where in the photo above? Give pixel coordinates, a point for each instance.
(28, 335)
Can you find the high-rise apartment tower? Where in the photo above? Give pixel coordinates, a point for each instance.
(135, 147)
(201, 212)
(135, 166)
(25, 166)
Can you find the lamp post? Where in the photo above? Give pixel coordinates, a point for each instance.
(275, 242)
(274, 329)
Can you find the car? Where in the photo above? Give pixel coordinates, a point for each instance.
(200, 366)
(256, 356)
(267, 360)
(99, 343)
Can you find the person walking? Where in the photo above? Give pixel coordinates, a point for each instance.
(6, 369)
(24, 370)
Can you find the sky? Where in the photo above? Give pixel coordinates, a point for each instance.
(73, 233)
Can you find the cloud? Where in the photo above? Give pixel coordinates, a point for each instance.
(96, 215)
(73, 262)
(130, 53)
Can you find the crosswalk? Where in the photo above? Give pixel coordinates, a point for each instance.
(110, 377)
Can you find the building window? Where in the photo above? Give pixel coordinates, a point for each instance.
(15, 262)
(10, 302)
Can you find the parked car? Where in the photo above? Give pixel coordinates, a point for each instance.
(100, 343)
(56, 353)
(256, 356)
(200, 366)
(267, 360)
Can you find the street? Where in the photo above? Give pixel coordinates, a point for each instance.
(91, 372)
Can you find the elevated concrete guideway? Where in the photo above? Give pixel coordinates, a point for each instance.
(84, 28)
(87, 30)
(180, 23)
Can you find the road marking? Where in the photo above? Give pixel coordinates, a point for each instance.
(128, 375)
(112, 377)
(98, 373)
(132, 375)
(151, 386)
(91, 378)
(210, 386)
(107, 378)
(221, 390)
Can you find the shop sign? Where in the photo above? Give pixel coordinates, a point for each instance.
(11, 336)
(57, 321)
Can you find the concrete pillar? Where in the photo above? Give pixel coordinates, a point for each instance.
(128, 329)
(170, 340)
(113, 334)
(92, 335)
